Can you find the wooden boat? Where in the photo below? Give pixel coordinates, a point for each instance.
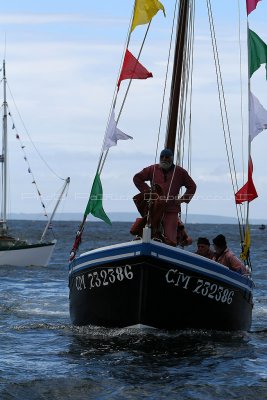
(15, 251)
(149, 283)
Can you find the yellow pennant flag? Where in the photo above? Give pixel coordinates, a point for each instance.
(144, 11)
(245, 253)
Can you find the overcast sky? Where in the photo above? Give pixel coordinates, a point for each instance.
(62, 63)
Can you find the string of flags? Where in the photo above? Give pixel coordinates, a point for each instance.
(22, 146)
(144, 11)
(257, 55)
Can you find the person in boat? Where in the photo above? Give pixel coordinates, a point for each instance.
(169, 178)
(226, 257)
(203, 248)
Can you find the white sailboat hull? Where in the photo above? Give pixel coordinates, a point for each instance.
(30, 255)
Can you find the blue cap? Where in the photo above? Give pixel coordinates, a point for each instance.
(167, 153)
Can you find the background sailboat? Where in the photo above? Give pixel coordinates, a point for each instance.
(146, 282)
(15, 251)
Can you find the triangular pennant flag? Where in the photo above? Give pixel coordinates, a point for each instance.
(257, 117)
(144, 11)
(94, 205)
(113, 134)
(132, 69)
(248, 191)
(257, 52)
(251, 5)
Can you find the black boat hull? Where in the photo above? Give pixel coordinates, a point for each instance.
(162, 288)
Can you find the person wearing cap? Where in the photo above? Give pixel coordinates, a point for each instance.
(171, 178)
(203, 248)
(225, 256)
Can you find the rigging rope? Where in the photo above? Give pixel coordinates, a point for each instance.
(22, 146)
(241, 88)
(224, 113)
(27, 132)
(103, 159)
(104, 154)
(186, 80)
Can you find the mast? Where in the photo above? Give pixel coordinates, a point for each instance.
(3, 224)
(178, 67)
(67, 181)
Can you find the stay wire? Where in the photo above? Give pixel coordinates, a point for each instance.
(104, 154)
(241, 104)
(103, 159)
(224, 114)
(27, 132)
(185, 79)
(165, 87)
(163, 99)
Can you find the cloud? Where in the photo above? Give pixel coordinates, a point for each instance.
(47, 18)
(62, 70)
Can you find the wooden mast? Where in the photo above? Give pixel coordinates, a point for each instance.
(178, 63)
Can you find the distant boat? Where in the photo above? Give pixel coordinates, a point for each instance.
(146, 282)
(262, 227)
(14, 251)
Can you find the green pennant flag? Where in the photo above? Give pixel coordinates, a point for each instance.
(94, 205)
(257, 52)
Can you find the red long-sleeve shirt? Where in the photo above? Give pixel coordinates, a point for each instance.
(228, 259)
(171, 181)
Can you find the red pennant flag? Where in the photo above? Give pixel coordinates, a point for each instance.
(132, 69)
(251, 5)
(248, 191)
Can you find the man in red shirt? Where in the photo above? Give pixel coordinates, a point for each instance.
(171, 178)
(226, 257)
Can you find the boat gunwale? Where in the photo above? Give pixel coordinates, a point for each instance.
(28, 246)
(211, 268)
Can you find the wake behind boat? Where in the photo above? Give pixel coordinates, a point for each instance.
(15, 251)
(148, 282)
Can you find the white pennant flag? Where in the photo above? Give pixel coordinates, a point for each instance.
(113, 134)
(257, 117)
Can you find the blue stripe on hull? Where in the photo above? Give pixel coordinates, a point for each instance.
(175, 256)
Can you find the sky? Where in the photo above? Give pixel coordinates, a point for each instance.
(62, 63)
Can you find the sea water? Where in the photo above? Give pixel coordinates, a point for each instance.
(42, 356)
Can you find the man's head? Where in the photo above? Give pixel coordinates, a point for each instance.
(203, 246)
(166, 159)
(219, 243)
